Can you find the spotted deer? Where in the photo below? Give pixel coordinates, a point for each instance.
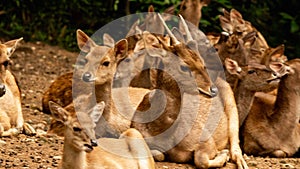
(83, 151)
(273, 129)
(11, 117)
(183, 84)
(118, 111)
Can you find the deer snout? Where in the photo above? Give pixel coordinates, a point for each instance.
(2, 90)
(94, 143)
(214, 91)
(87, 77)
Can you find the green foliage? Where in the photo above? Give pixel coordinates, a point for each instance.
(56, 21)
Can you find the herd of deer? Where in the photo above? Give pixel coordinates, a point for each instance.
(171, 83)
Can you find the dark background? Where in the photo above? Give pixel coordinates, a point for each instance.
(55, 22)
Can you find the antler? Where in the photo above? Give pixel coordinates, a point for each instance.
(186, 29)
(169, 31)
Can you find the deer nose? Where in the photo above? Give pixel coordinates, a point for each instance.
(2, 90)
(214, 91)
(87, 77)
(94, 143)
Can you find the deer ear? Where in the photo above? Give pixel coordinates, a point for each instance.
(121, 49)
(11, 46)
(234, 14)
(280, 69)
(59, 113)
(151, 8)
(177, 33)
(232, 66)
(277, 53)
(250, 38)
(226, 25)
(108, 40)
(97, 111)
(84, 42)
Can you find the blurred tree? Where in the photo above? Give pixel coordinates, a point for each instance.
(56, 21)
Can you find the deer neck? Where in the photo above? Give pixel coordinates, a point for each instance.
(72, 158)
(103, 93)
(287, 105)
(244, 99)
(166, 83)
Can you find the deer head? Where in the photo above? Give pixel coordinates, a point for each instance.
(255, 77)
(101, 61)
(6, 50)
(80, 135)
(191, 62)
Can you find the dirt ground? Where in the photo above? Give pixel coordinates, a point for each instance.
(36, 65)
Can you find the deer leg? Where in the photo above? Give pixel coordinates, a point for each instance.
(233, 124)
(157, 155)
(4, 123)
(279, 154)
(208, 156)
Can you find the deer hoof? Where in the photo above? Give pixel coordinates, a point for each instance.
(29, 130)
(157, 155)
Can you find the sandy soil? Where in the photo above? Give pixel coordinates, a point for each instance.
(36, 65)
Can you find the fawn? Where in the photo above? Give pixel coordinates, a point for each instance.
(11, 117)
(272, 129)
(83, 151)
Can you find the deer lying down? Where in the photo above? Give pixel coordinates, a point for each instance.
(83, 151)
(11, 117)
(189, 141)
(117, 115)
(273, 129)
(252, 78)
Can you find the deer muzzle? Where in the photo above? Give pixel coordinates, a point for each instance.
(88, 77)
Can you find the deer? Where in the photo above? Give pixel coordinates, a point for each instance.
(233, 23)
(11, 117)
(60, 90)
(82, 150)
(191, 10)
(252, 78)
(273, 129)
(117, 116)
(193, 87)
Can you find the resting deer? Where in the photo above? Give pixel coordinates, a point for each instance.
(252, 78)
(83, 151)
(117, 112)
(273, 129)
(188, 141)
(11, 117)
(233, 23)
(60, 91)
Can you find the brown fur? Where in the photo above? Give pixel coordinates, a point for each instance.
(11, 117)
(129, 151)
(116, 122)
(191, 10)
(252, 78)
(273, 129)
(204, 153)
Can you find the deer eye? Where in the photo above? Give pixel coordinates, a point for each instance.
(77, 129)
(106, 63)
(251, 71)
(184, 68)
(127, 60)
